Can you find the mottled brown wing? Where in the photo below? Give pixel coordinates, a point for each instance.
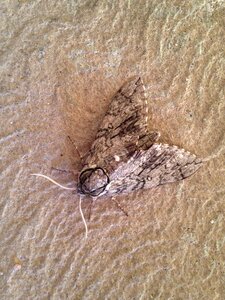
(160, 164)
(123, 129)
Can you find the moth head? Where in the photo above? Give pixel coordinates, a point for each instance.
(93, 181)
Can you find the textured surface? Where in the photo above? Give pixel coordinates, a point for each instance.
(61, 61)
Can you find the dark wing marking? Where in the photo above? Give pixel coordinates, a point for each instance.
(124, 128)
(158, 165)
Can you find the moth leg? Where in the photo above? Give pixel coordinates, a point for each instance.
(64, 171)
(119, 206)
(77, 150)
(75, 174)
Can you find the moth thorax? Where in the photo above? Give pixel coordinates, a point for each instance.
(93, 181)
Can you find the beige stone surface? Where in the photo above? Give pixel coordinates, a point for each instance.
(61, 61)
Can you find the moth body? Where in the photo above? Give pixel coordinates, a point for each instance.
(125, 156)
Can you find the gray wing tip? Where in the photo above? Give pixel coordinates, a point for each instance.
(189, 163)
(132, 85)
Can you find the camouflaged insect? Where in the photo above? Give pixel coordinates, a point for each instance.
(125, 156)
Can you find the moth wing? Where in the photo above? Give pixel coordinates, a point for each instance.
(123, 129)
(160, 164)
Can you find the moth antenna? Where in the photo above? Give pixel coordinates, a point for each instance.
(83, 219)
(119, 206)
(76, 148)
(53, 181)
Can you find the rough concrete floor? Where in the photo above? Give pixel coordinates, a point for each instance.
(61, 62)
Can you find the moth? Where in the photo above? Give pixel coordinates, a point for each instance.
(125, 156)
